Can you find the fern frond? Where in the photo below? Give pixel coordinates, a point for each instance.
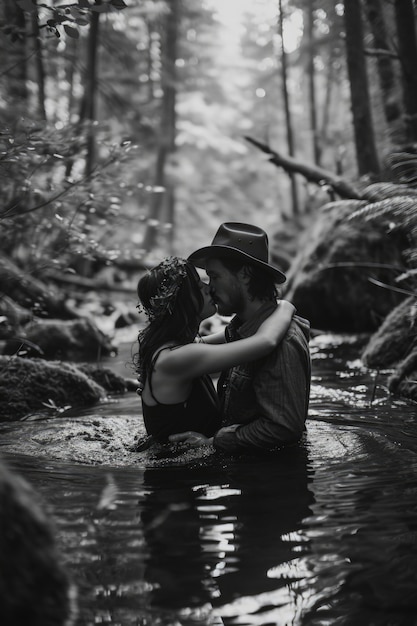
(403, 211)
(410, 256)
(404, 166)
(382, 191)
(379, 283)
(344, 205)
(406, 275)
(399, 207)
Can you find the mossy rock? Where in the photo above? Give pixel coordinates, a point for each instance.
(395, 344)
(30, 386)
(403, 381)
(62, 339)
(330, 281)
(107, 379)
(35, 588)
(395, 338)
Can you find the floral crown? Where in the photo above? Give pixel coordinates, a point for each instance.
(174, 272)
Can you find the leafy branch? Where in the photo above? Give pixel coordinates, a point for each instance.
(70, 15)
(72, 185)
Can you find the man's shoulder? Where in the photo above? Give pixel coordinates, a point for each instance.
(250, 326)
(299, 330)
(301, 322)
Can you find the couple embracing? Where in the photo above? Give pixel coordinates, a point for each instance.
(263, 355)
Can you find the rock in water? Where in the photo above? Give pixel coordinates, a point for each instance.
(35, 589)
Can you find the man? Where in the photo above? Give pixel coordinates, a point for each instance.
(264, 403)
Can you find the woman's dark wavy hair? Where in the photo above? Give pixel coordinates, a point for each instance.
(179, 323)
(261, 284)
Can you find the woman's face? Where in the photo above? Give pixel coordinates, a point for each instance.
(209, 308)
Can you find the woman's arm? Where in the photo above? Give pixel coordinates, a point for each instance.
(195, 359)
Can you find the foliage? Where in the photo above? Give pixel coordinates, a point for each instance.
(403, 164)
(227, 86)
(52, 212)
(49, 217)
(69, 16)
(397, 205)
(402, 210)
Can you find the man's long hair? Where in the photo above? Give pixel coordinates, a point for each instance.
(261, 283)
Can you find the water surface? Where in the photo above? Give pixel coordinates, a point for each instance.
(322, 534)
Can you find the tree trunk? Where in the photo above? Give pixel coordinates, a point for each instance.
(328, 97)
(70, 62)
(149, 60)
(91, 91)
(386, 73)
(407, 45)
(312, 82)
(40, 73)
(171, 219)
(167, 128)
(288, 121)
(366, 154)
(71, 47)
(15, 63)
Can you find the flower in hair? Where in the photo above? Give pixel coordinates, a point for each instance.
(173, 271)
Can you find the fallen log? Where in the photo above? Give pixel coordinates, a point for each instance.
(29, 292)
(312, 173)
(90, 284)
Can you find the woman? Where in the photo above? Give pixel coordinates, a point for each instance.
(173, 369)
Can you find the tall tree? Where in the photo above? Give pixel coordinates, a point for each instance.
(407, 46)
(366, 153)
(90, 94)
(384, 57)
(312, 81)
(167, 130)
(290, 136)
(71, 49)
(15, 58)
(40, 73)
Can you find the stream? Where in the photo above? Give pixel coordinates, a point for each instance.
(323, 534)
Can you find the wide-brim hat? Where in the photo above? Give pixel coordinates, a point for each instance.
(234, 240)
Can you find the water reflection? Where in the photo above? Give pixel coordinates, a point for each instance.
(363, 551)
(217, 536)
(324, 534)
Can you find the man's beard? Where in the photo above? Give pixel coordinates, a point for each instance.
(234, 305)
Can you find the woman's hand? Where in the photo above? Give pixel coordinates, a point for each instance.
(191, 438)
(194, 440)
(228, 429)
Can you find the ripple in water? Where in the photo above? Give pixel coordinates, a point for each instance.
(323, 534)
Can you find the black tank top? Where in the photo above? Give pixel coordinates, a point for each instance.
(199, 412)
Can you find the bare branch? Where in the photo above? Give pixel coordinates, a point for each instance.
(381, 52)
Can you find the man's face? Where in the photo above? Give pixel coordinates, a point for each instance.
(227, 288)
